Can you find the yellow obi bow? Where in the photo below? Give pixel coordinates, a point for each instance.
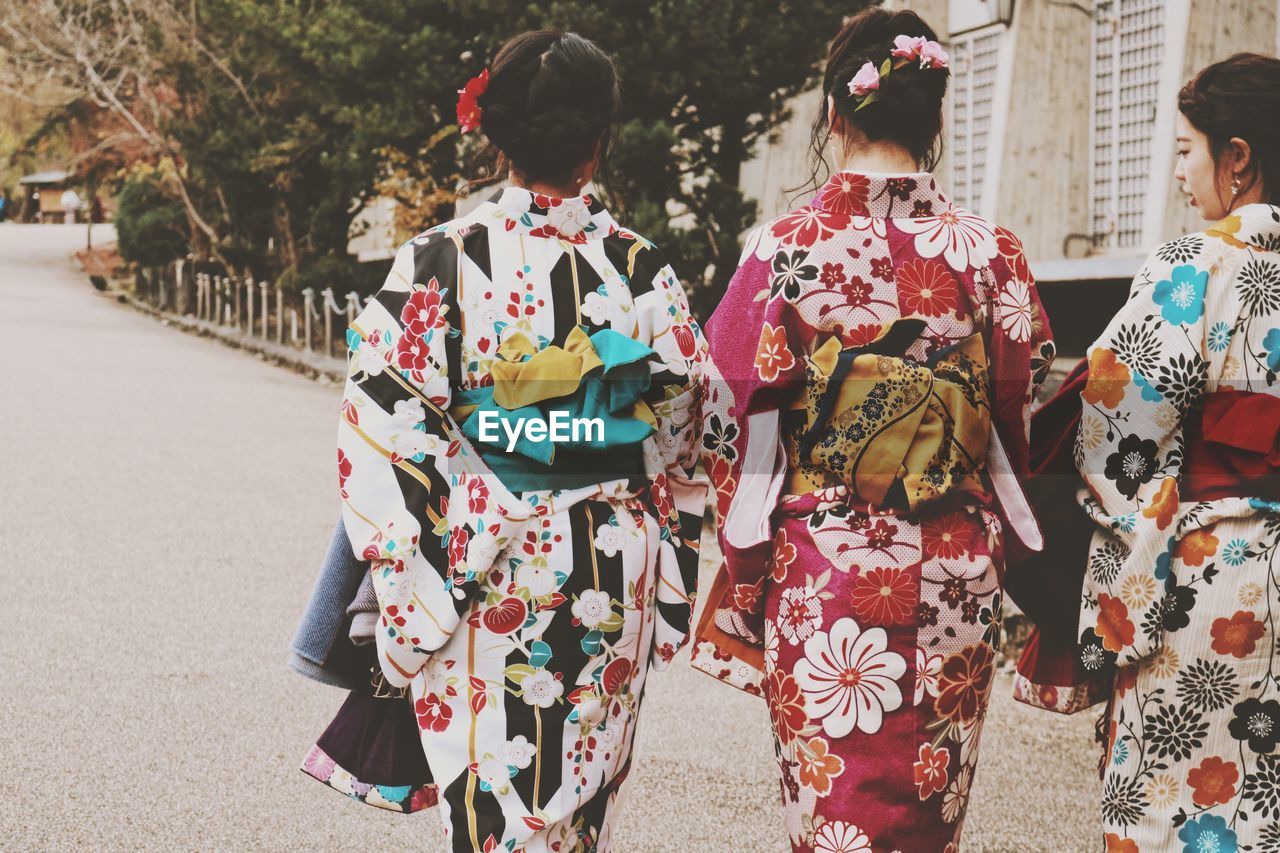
(874, 418)
(524, 375)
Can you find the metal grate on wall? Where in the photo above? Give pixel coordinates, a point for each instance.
(1128, 43)
(974, 60)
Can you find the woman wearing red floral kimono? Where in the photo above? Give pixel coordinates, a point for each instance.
(877, 351)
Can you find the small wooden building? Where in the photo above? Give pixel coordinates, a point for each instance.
(42, 197)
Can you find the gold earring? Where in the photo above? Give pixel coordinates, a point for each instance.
(1235, 186)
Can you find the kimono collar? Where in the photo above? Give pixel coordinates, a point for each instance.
(882, 196)
(1254, 224)
(576, 219)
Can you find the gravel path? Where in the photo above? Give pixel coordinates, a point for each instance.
(166, 503)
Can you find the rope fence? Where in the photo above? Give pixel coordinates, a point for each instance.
(304, 320)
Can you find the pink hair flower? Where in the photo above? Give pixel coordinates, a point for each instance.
(932, 55)
(907, 47)
(866, 81)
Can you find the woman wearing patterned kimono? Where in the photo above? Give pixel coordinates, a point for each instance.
(879, 348)
(1177, 445)
(527, 587)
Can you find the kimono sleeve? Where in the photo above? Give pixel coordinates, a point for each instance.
(1023, 350)
(1146, 371)
(757, 345)
(1020, 354)
(417, 501)
(1027, 311)
(675, 396)
(756, 367)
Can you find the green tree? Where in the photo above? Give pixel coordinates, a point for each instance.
(277, 120)
(290, 142)
(151, 226)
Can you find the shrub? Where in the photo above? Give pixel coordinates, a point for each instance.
(151, 226)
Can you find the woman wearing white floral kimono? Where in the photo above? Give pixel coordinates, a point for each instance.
(527, 586)
(1177, 445)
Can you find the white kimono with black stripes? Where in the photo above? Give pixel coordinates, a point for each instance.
(525, 623)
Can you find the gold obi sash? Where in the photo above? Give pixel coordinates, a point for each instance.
(524, 375)
(896, 431)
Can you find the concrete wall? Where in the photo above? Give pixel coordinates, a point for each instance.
(783, 163)
(1044, 180)
(1041, 164)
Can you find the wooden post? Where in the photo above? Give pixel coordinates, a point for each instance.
(266, 311)
(308, 296)
(249, 300)
(328, 321)
(179, 292)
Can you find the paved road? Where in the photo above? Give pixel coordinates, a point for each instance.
(165, 502)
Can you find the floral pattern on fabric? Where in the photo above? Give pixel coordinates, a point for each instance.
(1180, 594)
(524, 624)
(405, 799)
(862, 663)
(869, 630)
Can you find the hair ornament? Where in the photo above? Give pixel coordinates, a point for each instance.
(865, 85)
(469, 111)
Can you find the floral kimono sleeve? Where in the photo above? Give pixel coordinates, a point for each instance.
(675, 397)
(1021, 313)
(757, 352)
(417, 501)
(1021, 347)
(1145, 372)
(755, 370)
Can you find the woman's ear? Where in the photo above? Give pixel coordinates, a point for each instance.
(1238, 156)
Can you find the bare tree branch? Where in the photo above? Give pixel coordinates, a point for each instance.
(99, 52)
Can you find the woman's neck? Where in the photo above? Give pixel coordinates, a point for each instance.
(545, 188)
(881, 157)
(1253, 195)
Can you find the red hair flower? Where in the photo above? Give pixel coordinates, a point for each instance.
(468, 110)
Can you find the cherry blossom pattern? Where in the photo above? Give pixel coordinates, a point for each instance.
(963, 240)
(849, 678)
(773, 356)
(808, 225)
(931, 770)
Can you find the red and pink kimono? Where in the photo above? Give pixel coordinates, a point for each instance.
(865, 429)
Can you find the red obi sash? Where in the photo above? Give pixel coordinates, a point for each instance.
(1233, 448)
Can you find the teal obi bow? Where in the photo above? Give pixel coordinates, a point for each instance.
(603, 419)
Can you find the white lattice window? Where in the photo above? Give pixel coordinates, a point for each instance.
(1128, 43)
(975, 58)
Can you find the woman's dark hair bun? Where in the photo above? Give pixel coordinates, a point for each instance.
(1239, 98)
(552, 97)
(908, 109)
